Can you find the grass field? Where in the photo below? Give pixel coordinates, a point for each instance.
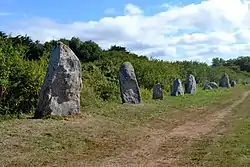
(194, 130)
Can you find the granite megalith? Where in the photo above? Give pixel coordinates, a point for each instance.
(224, 81)
(177, 88)
(60, 92)
(190, 85)
(157, 91)
(129, 88)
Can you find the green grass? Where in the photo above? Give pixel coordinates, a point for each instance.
(232, 149)
(151, 108)
(100, 132)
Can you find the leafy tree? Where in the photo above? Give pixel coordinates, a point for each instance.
(23, 64)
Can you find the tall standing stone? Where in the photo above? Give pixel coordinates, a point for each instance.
(60, 92)
(177, 88)
(129, 89)
(224, 81)
(157, 91)
(190, 85)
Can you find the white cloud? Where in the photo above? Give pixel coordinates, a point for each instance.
(193, 32)
(131, 9)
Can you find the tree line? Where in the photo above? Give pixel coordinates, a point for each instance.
(23, 65)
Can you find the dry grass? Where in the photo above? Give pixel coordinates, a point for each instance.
(103, 133)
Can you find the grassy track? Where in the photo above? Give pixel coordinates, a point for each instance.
(106, 132)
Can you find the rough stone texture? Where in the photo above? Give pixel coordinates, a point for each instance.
(190, 85)
(224, 81)
(214, 85)
(177, 88)
(233, 83)
(129, 89)
(207, 87)
(157, 91)
(60, 92)
(210, 85)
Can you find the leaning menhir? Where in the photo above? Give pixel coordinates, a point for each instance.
(129, 89)
(60, 92)
(177, 88)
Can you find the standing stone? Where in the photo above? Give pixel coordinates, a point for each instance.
(207, 87)
(60, 92)
(214, 85)
(190, 85)
(224, 81)
(177, 88)
(210, 85)
(233, 83)
(129, 89)
(157, 91)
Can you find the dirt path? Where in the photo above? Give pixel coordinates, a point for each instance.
(163, 148)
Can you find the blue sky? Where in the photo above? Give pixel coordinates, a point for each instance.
(168, 30)
(77, 10)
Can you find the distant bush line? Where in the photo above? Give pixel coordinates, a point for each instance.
(23, 65)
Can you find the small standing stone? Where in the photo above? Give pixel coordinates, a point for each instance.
(190, 85)
(214, 85)
(207, 87)
(224, 81)
(157, 91)
(129, 89)
(177, 88)
(60, 92)
(210, 85)
(233, 83)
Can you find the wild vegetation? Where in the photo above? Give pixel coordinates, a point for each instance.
(23, 64)
(210, 128)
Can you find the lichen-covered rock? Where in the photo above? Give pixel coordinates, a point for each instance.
(233, 83)
(190, 85)
(60, 92)
(177, 88)
(157, 91)
(224, 81)
(129, 89)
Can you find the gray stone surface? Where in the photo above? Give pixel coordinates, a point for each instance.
(233, 83)
(214, 85)
(207, 87)
(190, 85)
(211, 85)
(157, 91)
(60, 92)
(177, 88)
(129, 89)
(224, 81)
